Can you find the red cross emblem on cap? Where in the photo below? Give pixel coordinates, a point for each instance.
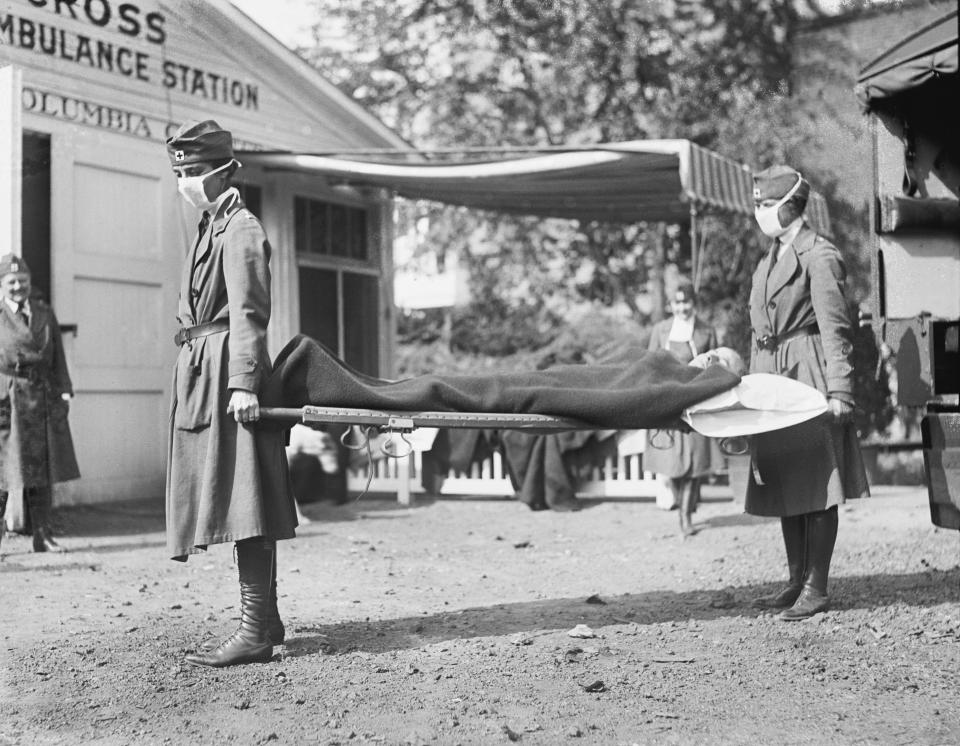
(756, 192)
(178, 155)
(14, 266)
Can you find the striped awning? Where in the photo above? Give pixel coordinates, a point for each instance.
(629, 182)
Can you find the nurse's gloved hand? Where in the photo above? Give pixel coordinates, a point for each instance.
(244, 406)
(841, 411)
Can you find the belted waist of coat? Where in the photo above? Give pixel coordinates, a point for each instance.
(32, 371)
(773, 341)
(201, 330)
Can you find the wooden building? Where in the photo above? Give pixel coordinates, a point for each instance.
(89, 91)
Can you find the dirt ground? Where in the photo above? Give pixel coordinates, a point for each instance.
(448, 623)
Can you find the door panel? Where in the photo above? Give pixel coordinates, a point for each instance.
(116, 262)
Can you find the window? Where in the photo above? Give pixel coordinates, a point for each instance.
(341, 310)
(330, 229)
(252, 196)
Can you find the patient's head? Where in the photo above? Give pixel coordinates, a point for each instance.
(723, 356)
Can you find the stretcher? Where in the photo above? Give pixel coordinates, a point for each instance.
(407, 422)
(759, 403)
(371, 422)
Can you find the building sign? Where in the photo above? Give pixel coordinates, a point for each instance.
(91, 114)
(148, 64)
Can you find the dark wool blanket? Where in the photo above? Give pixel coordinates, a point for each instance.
(632, 389)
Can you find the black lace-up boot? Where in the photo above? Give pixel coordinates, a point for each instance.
(795, 541)
(251, 642)
(275, 629)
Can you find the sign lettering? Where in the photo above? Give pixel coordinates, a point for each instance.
(118, 58)
(91, 114)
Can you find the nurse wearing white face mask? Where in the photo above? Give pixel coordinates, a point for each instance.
(227, 479)
(802, 330)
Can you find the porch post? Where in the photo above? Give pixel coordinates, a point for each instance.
(11, 147)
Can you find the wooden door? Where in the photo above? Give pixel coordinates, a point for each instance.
(118, 239)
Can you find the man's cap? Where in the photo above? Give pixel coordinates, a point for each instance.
(199, 142)
(684, 293)
(11, 263)
(775, 182)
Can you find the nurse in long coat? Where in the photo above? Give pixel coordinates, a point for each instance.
(227, 480)
(685, 458)
(36, 450)
(802, 329)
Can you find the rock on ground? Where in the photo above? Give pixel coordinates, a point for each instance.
(447, 623)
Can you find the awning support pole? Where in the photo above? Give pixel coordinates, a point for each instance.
(694, 250)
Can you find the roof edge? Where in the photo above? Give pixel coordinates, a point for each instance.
(306, 73)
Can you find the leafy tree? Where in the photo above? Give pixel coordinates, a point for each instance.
(460, 74)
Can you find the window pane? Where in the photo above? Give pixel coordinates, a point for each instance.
(330, 229)
(358, 233)
(319, 242)
(301, 240)
(361, 325)
(318, 306)
(339, 231)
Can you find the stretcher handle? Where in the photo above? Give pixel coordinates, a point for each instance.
(281, 414)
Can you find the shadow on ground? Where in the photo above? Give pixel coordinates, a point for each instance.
(854, 592)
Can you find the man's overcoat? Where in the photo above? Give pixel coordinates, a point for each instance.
(815, 465)
(225, 481)
(36, 449)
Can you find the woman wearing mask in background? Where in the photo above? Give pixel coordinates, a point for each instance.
(680, 459)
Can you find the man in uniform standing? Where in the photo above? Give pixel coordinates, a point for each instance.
(226, 479)
(36, 450)
(802, 330)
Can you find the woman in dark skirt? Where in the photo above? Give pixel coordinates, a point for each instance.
(685, 458)
(802, 330)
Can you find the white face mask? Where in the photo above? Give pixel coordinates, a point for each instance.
(192, 190)
(768, 218)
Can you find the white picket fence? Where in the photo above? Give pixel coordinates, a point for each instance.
(616, 476)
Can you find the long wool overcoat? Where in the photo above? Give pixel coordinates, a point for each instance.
(815, 465)
(225, 481)
(36, 449)
(686, 454)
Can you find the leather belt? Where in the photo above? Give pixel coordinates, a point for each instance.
(24, 370)
(188, 333)
(773, 341)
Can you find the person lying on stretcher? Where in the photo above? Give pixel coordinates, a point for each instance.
(761, 402)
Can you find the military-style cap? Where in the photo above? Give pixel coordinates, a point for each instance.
(197, 142)
(776, 181)
(11, 264)
(684, 293)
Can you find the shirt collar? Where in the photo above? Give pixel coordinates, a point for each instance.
(789, 235)
(681, 330)
(15, 307)
(222, 200)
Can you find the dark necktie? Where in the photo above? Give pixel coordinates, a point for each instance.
(22, 313)
(204, 223)
(774, 255)
(775, 251)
